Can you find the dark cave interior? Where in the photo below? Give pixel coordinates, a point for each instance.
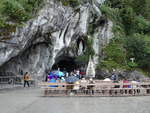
(65, 64)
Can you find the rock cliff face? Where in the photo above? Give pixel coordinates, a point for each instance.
(50, 36)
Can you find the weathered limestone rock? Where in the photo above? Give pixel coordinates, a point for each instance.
(45, 38)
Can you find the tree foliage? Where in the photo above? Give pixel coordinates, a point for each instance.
(131, 27)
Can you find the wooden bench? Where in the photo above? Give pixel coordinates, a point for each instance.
(99, 89)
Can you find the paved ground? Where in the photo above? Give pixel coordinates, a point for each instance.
(31, 100)
(9, 86)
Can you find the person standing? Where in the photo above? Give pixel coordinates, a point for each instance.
(78, 73)
(114, 77)
(83, 83)
(91, 86)
(125, 81)
(26, 79)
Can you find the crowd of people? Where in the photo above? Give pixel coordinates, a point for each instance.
(76, 77)
(79, 80)
(87, 84)
(76, 73)
(115, 79)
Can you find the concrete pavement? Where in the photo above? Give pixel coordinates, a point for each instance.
(31, 100)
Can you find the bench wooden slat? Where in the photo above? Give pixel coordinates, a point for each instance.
(100, 89)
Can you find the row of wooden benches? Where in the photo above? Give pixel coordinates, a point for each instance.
(98, 89)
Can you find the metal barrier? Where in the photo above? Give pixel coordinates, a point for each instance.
(10, 80)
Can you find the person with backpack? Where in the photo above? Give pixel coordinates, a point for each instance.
(26, 79)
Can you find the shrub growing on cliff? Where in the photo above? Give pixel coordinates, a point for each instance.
(18, 10)
(2, 22)
(15, 11)
(72, 3)
(114, 55)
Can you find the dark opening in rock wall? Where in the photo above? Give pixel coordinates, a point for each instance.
(65, 64)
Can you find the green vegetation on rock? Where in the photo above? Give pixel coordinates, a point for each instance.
(15, 12)
(18, 10)
(72, 3)
(131, 30)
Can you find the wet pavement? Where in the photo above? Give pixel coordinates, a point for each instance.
(31, 100)
(9, 86)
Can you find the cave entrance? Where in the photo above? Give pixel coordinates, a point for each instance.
(65, 64)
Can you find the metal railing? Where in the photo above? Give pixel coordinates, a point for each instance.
(10, 79)
(8, 82)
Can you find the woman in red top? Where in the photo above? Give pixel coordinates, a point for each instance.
(125, 81)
